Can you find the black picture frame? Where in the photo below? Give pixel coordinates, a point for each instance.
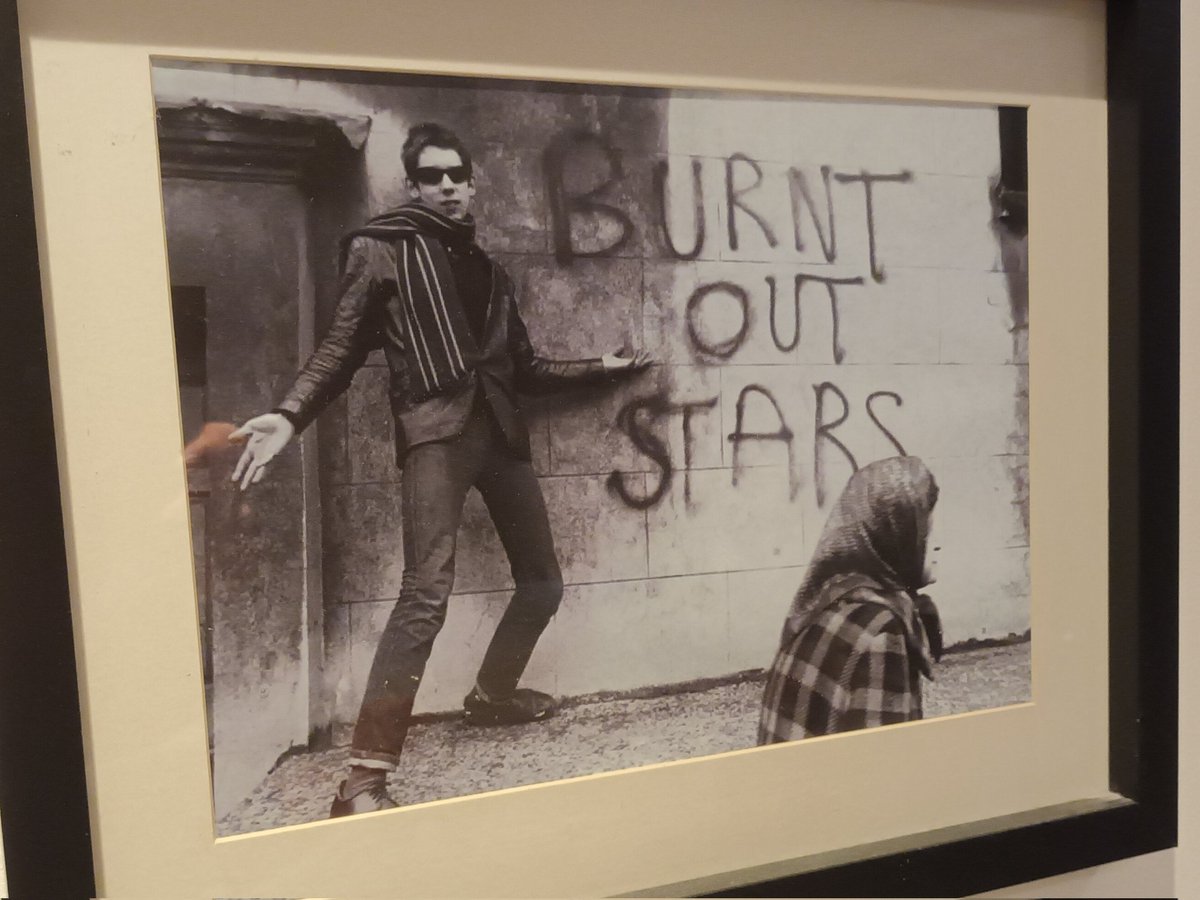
(43, 787)
(43, 790)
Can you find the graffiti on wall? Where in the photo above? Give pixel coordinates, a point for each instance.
(779, 302)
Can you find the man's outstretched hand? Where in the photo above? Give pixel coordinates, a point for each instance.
(265, 436)
(624, 361)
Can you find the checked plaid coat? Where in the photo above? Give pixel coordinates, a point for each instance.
(859, 637)
(858, 665)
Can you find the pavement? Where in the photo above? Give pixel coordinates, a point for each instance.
(450, 759)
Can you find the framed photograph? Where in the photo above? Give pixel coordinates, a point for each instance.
(630, 464)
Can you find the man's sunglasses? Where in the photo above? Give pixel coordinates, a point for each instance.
(432, 175)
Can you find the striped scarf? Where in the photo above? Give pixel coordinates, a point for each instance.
(440, 349)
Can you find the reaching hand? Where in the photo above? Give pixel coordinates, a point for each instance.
(265, 436)
(619, 362)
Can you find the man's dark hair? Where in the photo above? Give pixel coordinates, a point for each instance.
(431, 134)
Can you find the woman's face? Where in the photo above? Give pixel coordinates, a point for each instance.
(932, 548)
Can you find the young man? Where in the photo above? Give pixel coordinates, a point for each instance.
(416, 284)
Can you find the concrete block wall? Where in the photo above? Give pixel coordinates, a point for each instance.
(894, 324)
(695, 585)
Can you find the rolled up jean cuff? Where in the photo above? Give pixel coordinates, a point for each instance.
(388, 762)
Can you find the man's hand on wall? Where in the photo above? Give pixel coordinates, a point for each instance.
(265, 436)
(623, 361)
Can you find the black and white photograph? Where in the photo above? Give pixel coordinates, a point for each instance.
(536, 430)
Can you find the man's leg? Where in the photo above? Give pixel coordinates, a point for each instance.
(514, 498)
(433, 487)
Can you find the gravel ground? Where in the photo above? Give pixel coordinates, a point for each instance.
(448, 759)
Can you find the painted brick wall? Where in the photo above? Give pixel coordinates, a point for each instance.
(906, 328)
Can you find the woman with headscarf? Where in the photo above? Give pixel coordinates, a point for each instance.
(860, 635)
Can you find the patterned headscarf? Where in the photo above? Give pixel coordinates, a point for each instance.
(875, 535)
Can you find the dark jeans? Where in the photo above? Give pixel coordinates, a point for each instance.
(434, 486)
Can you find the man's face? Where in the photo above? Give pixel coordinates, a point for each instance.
(440, 182)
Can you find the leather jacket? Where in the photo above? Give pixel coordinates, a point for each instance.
(369, 316)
